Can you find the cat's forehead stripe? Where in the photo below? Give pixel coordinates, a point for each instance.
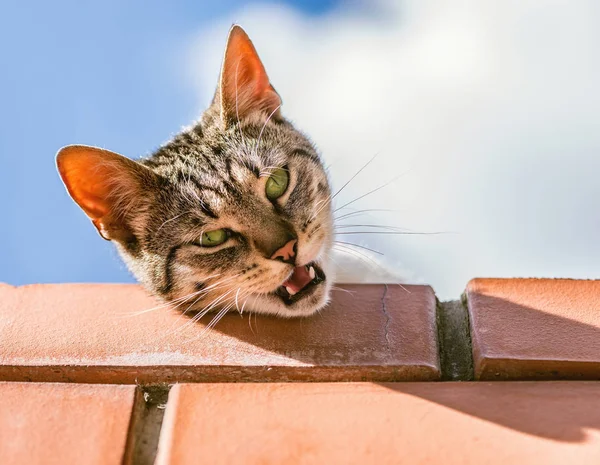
(209, 166)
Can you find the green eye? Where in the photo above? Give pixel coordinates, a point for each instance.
(277, 183)
(213, 238)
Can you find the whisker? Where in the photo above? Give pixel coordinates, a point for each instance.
(236, 300)
(354, 176)
(379, 226)
(212, 287)
(218, 317)
(405, 290)
(249, 317)
(343, 248)
(335, 288)
(372, 262)
(244, 304)
(398, 233)
(360, 246)
(208, 327)
(264, 172)
(237, 111)
(209, 306)
(148, 310)
(331, 197)
(387, 227)
(263, 128)
(217, 285)
(325, 202)
(181, 301)
(220, 314)
(363, 211)
(171, 219)
(141, 312)
(371, 192)
(250, 314)
(350, 251)
(204, 311)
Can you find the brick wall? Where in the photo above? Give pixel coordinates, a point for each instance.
(103, 374)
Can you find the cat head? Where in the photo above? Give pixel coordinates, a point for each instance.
(232, 213)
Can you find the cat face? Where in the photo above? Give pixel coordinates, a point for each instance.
(233, 213)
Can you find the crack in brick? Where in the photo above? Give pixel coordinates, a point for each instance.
(387, 315)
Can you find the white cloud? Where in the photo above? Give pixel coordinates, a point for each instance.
(492, 107)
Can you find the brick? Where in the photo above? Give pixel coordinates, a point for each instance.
(400, 423)
(64, 424)
(535, 328)
(95, 333)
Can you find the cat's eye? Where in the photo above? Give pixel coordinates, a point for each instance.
(214, 238)
(277, 183)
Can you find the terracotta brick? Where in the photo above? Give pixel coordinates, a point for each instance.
(535, 328)
(400, 423)
(95, 333)
(64, 424)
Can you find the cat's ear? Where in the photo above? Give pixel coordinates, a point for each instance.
(244, 86)
(107, 186)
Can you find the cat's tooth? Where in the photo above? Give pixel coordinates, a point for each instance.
(290, 291)
(311, 272)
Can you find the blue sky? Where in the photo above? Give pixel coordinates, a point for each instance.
(491, 109)
(101, 73)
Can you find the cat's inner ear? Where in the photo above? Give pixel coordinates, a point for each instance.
(244, 86)
(107, 186)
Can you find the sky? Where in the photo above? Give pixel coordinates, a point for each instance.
(484, 117)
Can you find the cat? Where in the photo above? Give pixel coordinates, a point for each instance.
(233, 213)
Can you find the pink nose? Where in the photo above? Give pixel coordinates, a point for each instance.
(286, 253)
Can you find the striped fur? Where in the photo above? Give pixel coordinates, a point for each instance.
(210, 176)
(213, 177)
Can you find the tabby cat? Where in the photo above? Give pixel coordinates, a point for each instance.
(233, 213)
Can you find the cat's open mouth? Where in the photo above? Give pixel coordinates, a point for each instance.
(301, 283)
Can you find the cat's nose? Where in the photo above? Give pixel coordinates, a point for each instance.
(287, 253)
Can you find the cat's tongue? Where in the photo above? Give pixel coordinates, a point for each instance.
(299, 279)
